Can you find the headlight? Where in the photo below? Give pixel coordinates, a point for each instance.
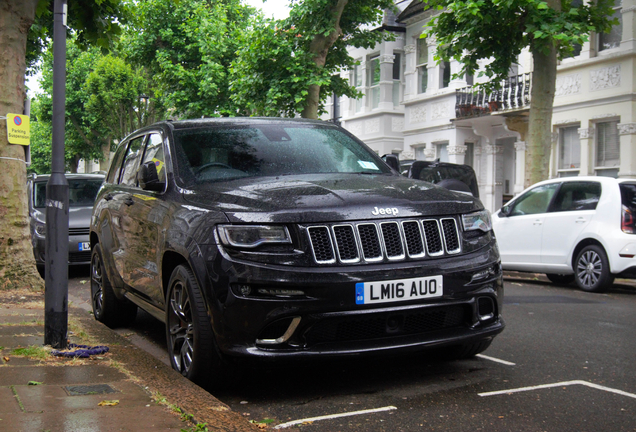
(477, 221)
(40, 229)
(251, 236)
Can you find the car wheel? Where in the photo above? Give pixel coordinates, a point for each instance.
(592, 270)
(107, 308)
(466, 351)
(560, 279)
(191, 345)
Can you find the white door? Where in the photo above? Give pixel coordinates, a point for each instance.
(572, 210)
(519, 228)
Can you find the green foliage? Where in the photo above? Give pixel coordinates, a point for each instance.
(473, 30)
(279, 60)
(94, 23)
(188, 46)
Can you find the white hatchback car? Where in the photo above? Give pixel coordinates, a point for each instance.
(579, 229)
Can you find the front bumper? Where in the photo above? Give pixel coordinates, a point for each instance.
(77, 254)
(255, 316)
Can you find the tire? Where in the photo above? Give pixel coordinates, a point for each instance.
(560, 279)
(592, 271)
(466, 351)
(190, 338)
(107, 308)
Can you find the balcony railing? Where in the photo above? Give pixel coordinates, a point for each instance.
(513, 94)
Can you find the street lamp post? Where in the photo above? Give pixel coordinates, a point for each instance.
(56, 261)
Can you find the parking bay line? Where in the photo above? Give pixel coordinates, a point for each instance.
(485, 357)
(333, 416)
(560, 384)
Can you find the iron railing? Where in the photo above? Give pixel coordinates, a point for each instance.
(514, 93)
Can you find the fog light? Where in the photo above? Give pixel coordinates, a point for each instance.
(280, 292)
(485, 308)
(244, 290)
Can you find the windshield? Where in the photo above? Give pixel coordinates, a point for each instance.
(225, 153)
(81, 193)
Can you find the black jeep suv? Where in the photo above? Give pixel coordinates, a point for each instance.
(279, 238)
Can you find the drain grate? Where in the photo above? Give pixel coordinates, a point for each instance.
(84, 390)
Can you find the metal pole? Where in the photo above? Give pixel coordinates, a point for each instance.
(56, 279)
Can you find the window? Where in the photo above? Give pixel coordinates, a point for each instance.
(534, 201)
(397, 76)
(154, 153)
(613, 38)
(131, 164)
(442, 152)
(575, 196)
(569, 150)
(358, 82)
(607, 149)
(419, 153)
(576, 48)
(469, 156)
(446, 75)
(422, 65)
(115, 166)
(374, 81)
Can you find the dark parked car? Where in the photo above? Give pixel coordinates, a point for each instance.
(277, 238)
(457, 177)
(81, 196)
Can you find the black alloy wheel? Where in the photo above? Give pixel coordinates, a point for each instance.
(592, 270)
(189, 334)
(560, 279)
(107, 308)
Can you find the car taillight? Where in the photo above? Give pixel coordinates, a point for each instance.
(627, 220)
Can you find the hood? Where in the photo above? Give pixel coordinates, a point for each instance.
(78, 217)
(327, 198)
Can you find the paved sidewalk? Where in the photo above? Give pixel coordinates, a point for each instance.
(62, 394)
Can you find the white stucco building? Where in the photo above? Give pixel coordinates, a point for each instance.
(412, 107)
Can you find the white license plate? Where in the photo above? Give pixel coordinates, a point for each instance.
(85, 246)
(399, 290)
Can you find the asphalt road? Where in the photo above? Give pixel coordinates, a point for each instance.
(565, 362)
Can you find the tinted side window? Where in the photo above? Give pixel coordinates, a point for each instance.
(131, 164)
(534, 201)
(115, 166)
(154, 153)
(575, 196)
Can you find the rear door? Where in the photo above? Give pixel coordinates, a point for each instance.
(570, 213)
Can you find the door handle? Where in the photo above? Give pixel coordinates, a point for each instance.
(537, 222)
(580, 220)
(129, 201)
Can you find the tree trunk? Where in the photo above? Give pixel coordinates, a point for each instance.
(17, 265)
(540, 122)
(320, 46)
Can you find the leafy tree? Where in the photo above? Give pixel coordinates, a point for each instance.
(290, 65)
(188, 46)
(96, 22)
(471, 30)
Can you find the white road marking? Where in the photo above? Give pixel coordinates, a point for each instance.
(485, 357)
(333, 416)
(560, 384)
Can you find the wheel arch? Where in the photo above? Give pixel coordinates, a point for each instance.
(582, 244)
(169, 262)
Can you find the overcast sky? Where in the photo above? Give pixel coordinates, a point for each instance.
(271, 8)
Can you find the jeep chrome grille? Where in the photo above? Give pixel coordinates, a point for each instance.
(378, 241)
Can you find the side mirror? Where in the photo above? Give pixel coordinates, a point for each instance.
(416, 169)
(505, 210)
(392, 161)
(148, 177)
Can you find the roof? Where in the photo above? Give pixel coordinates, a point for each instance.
(414, 8)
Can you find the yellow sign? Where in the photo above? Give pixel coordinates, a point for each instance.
(18, 129)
